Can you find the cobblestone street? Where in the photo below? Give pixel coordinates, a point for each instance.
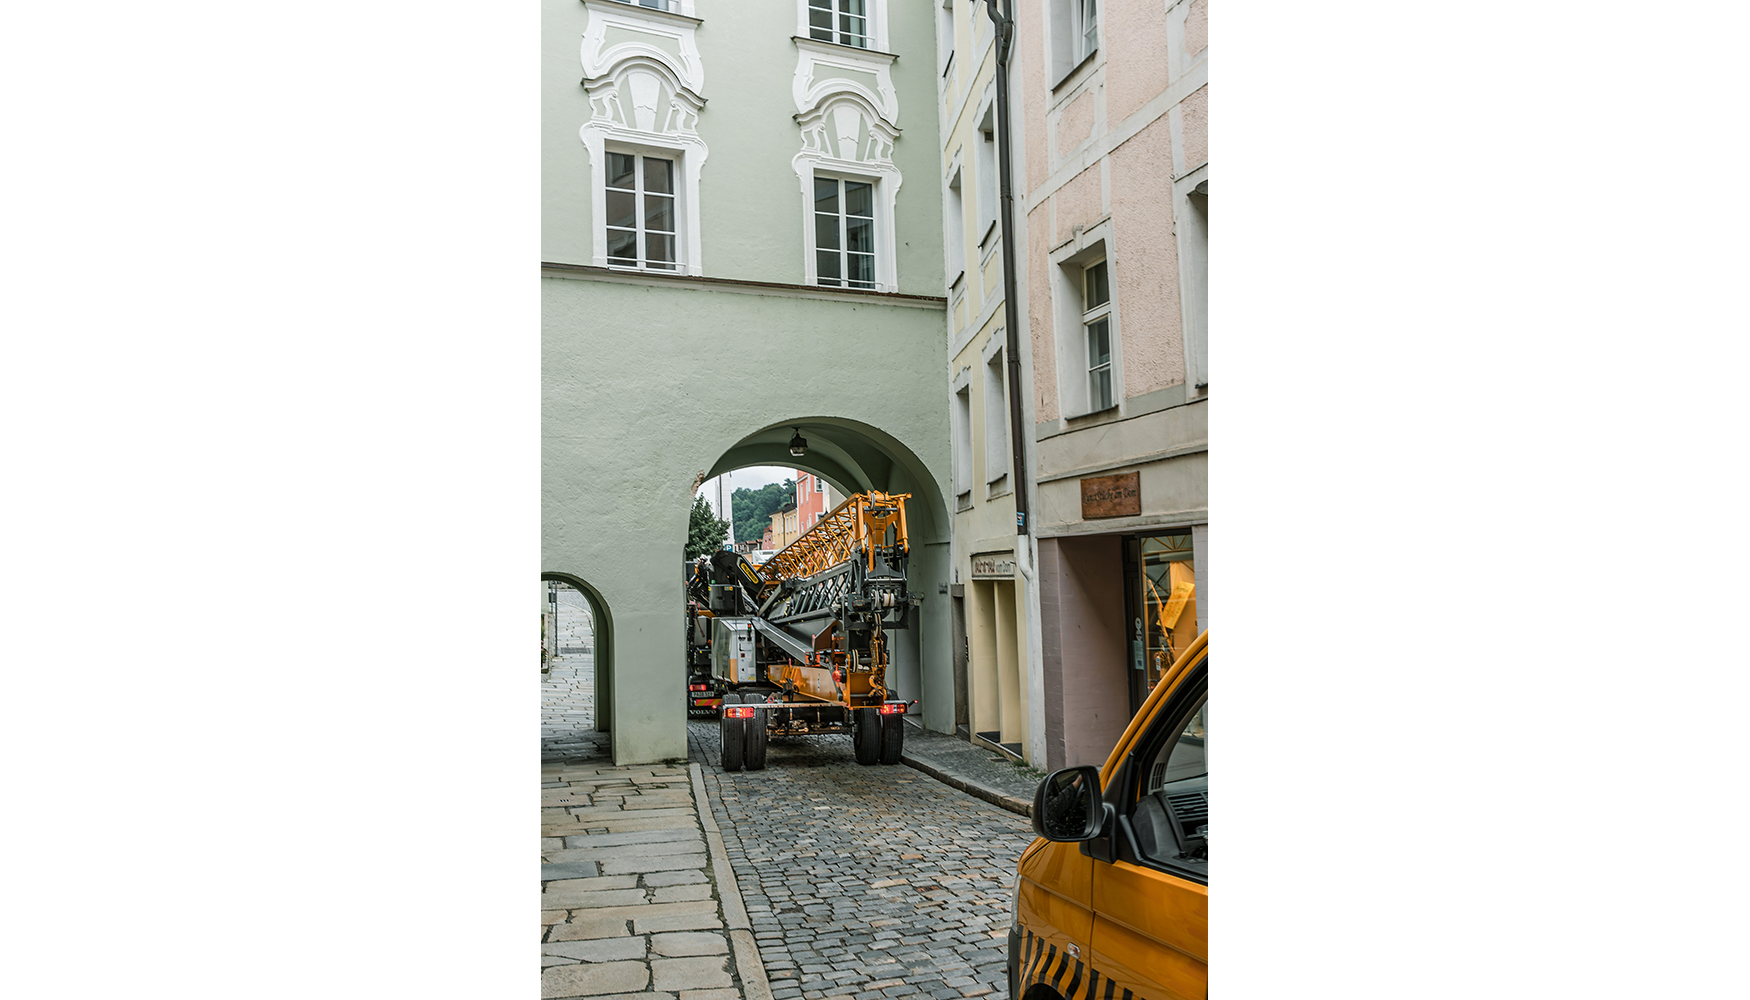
(865, 881)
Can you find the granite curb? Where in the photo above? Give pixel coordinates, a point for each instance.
(747, 955)
(995, 797)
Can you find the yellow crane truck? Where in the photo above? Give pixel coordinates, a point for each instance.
(799, 644)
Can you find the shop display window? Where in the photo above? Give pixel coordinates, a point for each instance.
(1169, 605)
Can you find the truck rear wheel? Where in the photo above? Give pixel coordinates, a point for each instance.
(892, 738)
(734, 737)
(866, 735)
(756, 735)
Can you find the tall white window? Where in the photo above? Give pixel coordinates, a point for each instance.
(1087, 20)
(963, 447)
(641, 211)
(996, 416)
(989, 184)
(954, 212)
(1075, 35)
(668, 5)
(1097, 331)
(945, 34)
(844, 232)
(843, 21)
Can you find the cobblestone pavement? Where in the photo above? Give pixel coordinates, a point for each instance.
(987, 774)
(865, 881)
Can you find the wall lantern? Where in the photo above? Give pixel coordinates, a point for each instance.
(798, 444)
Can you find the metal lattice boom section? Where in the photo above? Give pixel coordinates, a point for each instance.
(855, 527)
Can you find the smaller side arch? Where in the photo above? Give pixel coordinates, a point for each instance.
(604, 647)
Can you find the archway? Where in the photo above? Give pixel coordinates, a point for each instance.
(855, 457)
(603, 647)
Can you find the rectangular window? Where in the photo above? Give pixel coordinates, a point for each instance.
(844, 232)
(955, 230)
(996, 418)
(1096, 327)
(843, 21)
(963, 448)
(641, 212)
(1088, 21)
(989, 184)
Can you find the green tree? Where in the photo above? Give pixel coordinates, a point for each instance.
(753, 508)
(704, 532)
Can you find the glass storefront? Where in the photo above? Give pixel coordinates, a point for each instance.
(1163, 602)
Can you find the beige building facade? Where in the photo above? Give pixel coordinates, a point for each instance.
(994, 704)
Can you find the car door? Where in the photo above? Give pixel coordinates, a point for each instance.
(1151, 901)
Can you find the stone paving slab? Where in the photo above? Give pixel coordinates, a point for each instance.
(636, 905)
(978, 771)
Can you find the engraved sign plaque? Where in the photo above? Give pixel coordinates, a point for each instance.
(1112, 496)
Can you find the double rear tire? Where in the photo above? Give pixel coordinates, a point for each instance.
(877, 738)
(744, 740)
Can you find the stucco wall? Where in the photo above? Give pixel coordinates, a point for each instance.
(1081, 583)
(644, 386)
(1145, 269)
(1136, 56)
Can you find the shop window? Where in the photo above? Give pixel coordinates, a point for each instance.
(1169, 605)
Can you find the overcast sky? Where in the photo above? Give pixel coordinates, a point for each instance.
(752, 477)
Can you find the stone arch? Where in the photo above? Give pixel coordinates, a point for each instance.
(856, 457)
(603, 621)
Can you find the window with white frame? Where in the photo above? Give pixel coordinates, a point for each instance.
(843, 21)
(672, 6)
(954, 214)
(945, 34)
(996, 415)
(989, 184)
(844, 232)
(641, 216)
(1075, 35)
(1097, 333)
(962, 420)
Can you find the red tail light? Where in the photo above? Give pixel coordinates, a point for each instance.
(893, 708)
(738, 712)
(838, 676)
(697, 687)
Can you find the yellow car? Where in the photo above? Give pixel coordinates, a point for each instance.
(1112, 902)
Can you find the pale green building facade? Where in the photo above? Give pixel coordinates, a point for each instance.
(741, 237)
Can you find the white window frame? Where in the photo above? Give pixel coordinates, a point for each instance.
(1192, 229)
(954, 227)
(875, 18)
(844, 252)
(961, 420)
(945, 30)
(1093, 313)
(996, 416)
(989, 184)
(640, 191)
(1069, 311)
(1067, 37)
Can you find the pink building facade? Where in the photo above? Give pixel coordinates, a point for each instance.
(1112, 153)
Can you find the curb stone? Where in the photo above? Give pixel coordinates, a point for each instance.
(993, 796)
(747, 957)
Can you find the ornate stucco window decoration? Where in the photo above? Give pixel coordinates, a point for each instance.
(644, 79)
(847, 111)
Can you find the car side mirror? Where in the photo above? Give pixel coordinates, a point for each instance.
(1067, 807)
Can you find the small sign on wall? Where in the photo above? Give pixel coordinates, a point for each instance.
(1112, 496)
(993, 566)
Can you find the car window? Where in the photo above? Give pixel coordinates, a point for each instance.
(1171, 815)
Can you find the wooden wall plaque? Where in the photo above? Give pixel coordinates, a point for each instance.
(1112, 496)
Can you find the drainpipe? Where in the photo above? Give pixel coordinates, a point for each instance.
(1026, 545)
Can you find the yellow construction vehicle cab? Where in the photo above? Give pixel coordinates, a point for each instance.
(1112, 901)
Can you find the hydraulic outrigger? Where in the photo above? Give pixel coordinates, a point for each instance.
(799, 644)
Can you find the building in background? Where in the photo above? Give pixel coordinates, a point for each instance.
(815, 498)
